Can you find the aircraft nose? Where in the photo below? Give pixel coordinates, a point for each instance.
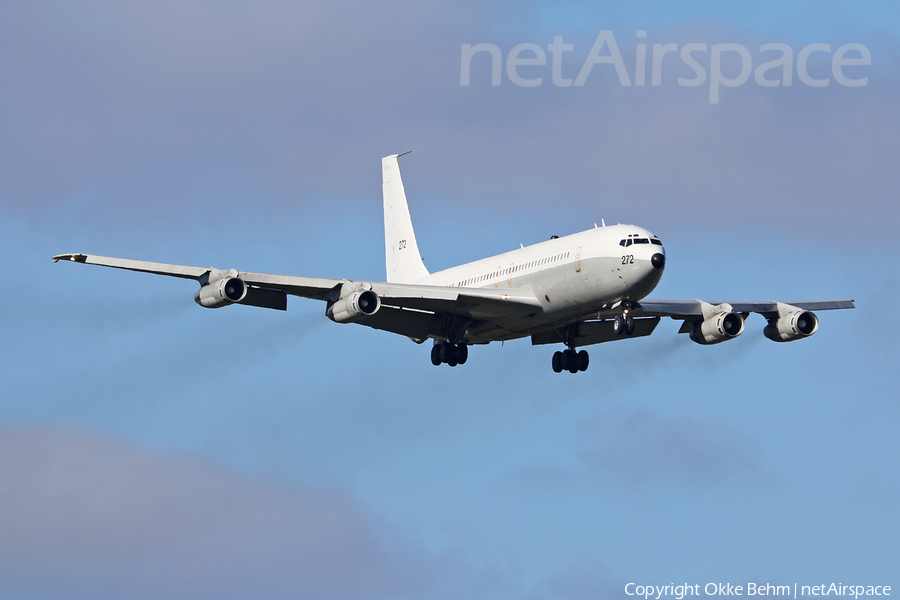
(658, 260)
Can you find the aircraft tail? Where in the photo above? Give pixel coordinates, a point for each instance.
(402, 259)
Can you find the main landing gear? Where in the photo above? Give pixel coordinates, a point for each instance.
(570, 360)
(451, 354)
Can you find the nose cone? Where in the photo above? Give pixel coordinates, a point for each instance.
(658, 260)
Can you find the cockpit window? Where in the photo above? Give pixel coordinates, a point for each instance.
(634, 239)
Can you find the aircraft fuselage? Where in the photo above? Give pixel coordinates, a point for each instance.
(574, 277)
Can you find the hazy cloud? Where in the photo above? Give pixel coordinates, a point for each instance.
(586, 580)
(98, 517)
(640, 447)
(204, 106)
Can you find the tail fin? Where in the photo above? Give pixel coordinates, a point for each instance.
(402, 259)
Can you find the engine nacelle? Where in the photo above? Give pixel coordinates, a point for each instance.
(792, 326)
(720, 327)
(354, 307)
(221, 292)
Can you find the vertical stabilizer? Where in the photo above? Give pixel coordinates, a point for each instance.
(402, 259)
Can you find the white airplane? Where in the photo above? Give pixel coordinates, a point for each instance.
(577, 290)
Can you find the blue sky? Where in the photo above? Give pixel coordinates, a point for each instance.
(149, 448)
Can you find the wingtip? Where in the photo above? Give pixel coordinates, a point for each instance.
(70, 257)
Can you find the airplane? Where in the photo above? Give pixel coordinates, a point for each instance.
(582, 289)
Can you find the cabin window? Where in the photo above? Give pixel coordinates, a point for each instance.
(655, 241)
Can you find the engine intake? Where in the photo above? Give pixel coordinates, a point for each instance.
(719, 324)
(792, 326)
(354, 307)
(221, 291)
(720, 328)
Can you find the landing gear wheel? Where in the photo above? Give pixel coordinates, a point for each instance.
(629, 325)
(462, 354)
(583, 360)
(452, 355)
(436, 355)
(557, 362)
(446, 352)
(570, 360)
(619, 325)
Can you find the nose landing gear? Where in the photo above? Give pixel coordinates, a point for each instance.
(623, 324)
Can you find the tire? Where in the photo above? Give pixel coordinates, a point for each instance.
(583, 360)
(462, 354)
(452, 355)
(446, 352)
(557, 362)
(571, 361)
(619, 325)
(629, 325)
(436, 355)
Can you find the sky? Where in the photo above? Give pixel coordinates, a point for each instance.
(150, 448)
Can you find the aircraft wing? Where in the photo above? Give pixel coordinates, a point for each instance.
(135, 265)
(269, 291)
(693, 309)
(587, 333)
(473, 303)
(693, 312)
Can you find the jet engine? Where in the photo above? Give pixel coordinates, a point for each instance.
(719, 324)
(354, 306)
(792, 326)
(221, 291)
